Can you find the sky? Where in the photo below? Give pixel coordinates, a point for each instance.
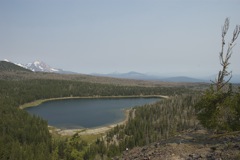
(166, 37)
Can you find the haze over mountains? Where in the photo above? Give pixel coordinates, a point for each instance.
(40, 66)
(141, 76)
(156, 77)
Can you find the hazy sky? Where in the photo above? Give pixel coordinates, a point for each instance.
(149, 36)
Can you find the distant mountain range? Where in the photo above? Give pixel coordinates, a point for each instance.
(129, 75)
(141, 76)
(39, 66)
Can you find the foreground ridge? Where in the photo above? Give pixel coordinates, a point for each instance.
(189, 145)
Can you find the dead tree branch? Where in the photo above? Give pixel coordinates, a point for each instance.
(220, 81)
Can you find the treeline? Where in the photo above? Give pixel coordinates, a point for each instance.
(23, 136)
(20, 92)
(147, 124)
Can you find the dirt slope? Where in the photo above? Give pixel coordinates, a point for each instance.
(189, 145)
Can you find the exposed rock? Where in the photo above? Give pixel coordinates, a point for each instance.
(195, 145)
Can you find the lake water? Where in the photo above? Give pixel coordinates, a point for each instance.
(86, 113)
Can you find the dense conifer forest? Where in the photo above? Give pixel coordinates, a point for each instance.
(26, 137)
(148, 124)
(23, 136)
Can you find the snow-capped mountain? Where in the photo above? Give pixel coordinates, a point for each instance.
(39, 66)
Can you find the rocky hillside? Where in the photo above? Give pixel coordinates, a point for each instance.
(189, 145)
(8, 66)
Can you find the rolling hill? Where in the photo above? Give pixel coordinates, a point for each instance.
(8, 66)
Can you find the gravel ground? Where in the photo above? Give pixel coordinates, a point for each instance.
(189, 145)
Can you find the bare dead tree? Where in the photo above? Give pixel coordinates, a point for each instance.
(220, 81)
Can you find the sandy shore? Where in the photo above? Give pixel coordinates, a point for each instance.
(86, 131)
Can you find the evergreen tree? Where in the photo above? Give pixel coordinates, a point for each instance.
(219, 107)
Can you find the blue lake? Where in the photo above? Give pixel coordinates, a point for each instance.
(86, 113)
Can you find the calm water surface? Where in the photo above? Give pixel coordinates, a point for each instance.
(86, 113)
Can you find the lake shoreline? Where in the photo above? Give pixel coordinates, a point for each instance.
(88, 131)
(38, 102)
